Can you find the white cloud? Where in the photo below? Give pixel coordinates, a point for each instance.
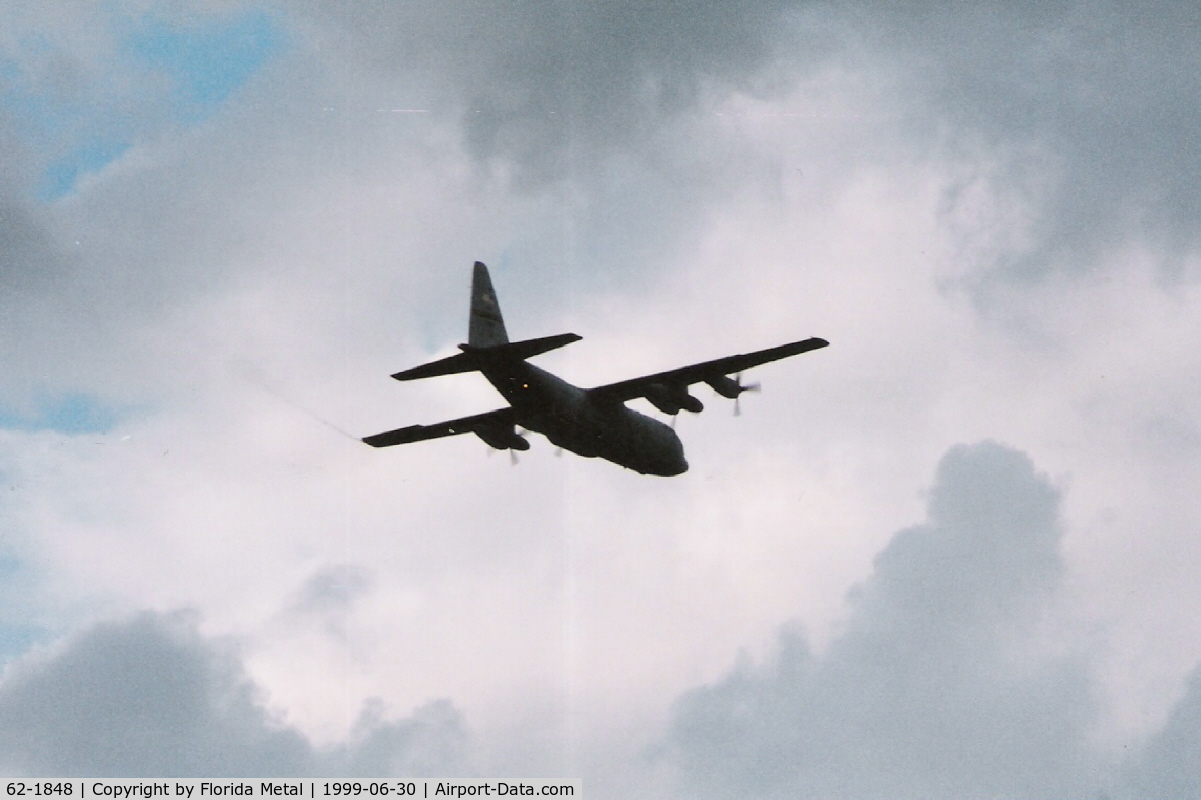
(937, 686)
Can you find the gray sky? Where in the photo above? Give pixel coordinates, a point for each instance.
(953, 555)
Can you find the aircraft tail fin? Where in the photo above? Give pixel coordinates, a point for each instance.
(487, 341)
(486, 326)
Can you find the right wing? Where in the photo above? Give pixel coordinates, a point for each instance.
(708, 371)
(419, 433)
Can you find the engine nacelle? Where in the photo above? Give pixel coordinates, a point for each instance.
(502, 438)
(726, 386)
(671, 399)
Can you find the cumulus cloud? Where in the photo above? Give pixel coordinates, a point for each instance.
(937, 687)
(1169, 764)
(151, 696)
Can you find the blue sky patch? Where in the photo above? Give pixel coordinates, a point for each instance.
(158, 74)
(72, 414)
(206, 61)
(60, 177)
(17, 639)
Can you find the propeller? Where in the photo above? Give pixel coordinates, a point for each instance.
(512, 454)
(750, 387)
(498, 445)
(521, 432)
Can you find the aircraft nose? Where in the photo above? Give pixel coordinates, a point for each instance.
(679, 463)
(677, 466)
(668, 467)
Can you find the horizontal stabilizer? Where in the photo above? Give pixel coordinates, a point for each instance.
(472, 358)
(451, 365)
(526, 348)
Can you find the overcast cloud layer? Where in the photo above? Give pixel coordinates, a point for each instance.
(224, 224)
(149, 697)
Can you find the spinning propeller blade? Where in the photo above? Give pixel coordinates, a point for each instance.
(750, 387)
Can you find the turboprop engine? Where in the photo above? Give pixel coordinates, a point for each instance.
(671, 399)
(731, 388)
(726, 387)
(502, 438)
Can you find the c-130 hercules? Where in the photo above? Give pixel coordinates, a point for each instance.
(594, 423)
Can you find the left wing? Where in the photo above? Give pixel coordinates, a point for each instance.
(715, 373)
(492, 420)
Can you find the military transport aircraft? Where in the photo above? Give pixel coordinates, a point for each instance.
(590, 422)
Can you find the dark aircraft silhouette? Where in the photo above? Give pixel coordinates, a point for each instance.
(594, 423)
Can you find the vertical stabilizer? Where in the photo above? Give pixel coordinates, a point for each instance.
(486, 327)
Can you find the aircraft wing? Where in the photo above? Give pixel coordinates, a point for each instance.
(706, 371)
(453, 427)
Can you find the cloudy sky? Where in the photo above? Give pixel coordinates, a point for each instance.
(953, 555)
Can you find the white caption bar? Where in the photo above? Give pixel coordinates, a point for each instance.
(198, 789)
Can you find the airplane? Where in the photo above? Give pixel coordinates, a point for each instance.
(593, 423)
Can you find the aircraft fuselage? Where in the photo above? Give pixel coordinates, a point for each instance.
(571, 419)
